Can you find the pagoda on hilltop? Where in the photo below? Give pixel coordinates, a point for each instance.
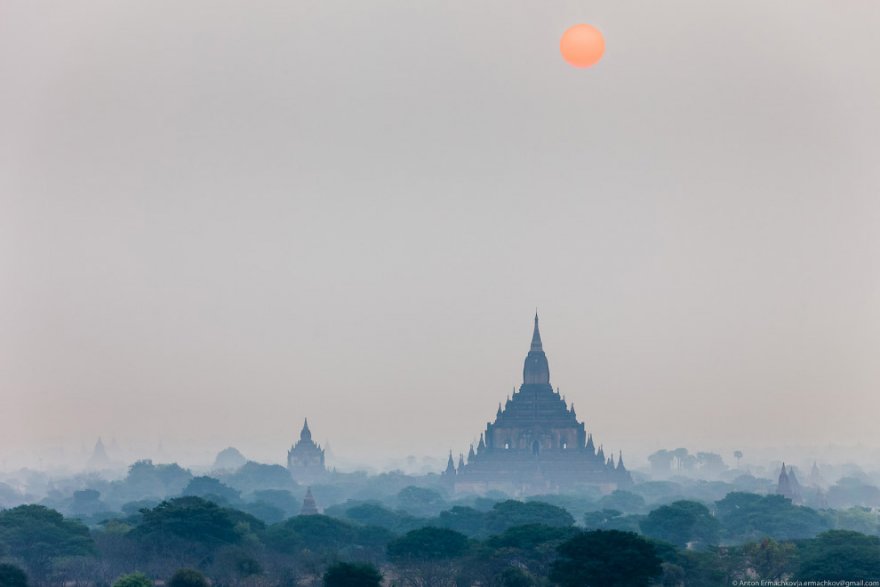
(536, 443)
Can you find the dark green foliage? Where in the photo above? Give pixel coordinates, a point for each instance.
(514, 577)
(840, 555)
(510, 513)
(187, 578)
(37, 535)
(681, 523)
(466, 520)
(316, 533)
(770, 559)
(530, 536)
(194, 520)
(373, 514)
(606, 558)
(428, 544)
(352, 575)
(750, 517)
(12, 576)
(133, 580)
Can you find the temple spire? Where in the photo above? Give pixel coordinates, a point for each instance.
(306, 434)
(536, 336)
(536, 370)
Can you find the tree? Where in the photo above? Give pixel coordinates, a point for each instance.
(187, 578)
(711, 463)
(623, 501)
(212, 489)
(681, 523)
(606, 558)
(428, 556)
(148, 480)
(751, 517)
(840, 555)
(510, 513)
(463, 519)
(38, 535)
(770, 559)
(317, 533)
(133, 580)
(428, 543)
(612, 520)
(12, 576)
(188, 529)
(419, 501)
(661, 462)
(352, 575)
(514, 577)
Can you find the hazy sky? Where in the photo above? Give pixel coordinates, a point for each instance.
(219, 217)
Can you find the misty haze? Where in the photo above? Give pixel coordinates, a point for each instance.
(393, 293)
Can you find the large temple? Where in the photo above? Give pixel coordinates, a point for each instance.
(536, 443)
(305, 459)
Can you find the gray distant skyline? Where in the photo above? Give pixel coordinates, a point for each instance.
(218, 218)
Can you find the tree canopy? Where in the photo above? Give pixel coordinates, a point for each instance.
(840, 555)
(352, 575)
(428, 543)
(747, 516)
(605, 558)
(681, 523)
(36, 535)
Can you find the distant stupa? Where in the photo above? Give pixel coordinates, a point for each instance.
(788, 485)
(309, 507)
(99, 458)
(229, 459)
(816, 478)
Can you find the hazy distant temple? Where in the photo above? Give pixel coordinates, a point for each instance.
(536, 443)
(305, 459)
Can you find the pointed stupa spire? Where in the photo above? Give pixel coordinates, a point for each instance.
(482, 446)
(620, 466)
(536, 369)
(460, 461)
(309, 506)
(306, 434)
(471, 454)
(590, 446)
(450, 465)
(536, 336)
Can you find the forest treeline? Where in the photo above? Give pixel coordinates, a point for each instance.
(190, 541)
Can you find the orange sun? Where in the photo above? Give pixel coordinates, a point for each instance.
(582, 45)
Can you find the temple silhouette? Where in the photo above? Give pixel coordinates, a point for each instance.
(536, 443)
(305, 459)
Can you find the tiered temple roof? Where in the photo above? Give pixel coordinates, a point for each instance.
(536, 443)
(305, 459)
